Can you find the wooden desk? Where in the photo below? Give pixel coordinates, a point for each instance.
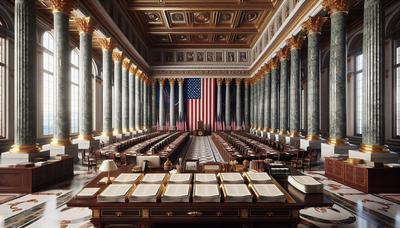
(145, 214)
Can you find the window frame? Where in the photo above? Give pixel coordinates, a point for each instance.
(46, 50)
(355, 72)
(72, 84)
(395, 39)
(4, 81)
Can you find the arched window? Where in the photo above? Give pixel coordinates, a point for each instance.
(3, 81)
(74, 91)
(48, 84)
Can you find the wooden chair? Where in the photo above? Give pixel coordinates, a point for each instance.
(298, 161)
(312, 156)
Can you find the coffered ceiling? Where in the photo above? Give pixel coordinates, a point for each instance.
(200, 23)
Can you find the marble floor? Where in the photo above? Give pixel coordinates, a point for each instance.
(202, 148)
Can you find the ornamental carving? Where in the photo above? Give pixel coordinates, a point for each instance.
(138, 73)
(219, 81)
(334, 6)
(180, 81)
(106, 44)
(295, 42)
(63, 6)
(161, 81)
(314, 24)
(228, 81)
(85, 24)
(238, 81)
(267, 68)
(133, 69)
(171, 81)
(274, 63)
(126, 63)
(185, 73)
(283, 54)
(117, 56)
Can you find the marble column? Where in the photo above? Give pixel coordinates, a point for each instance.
(153, 103)
(172, 104)
(145, 104)
(267, 98)
(228, 103)
(117, 58)
(107, 46)
(256, 103)
(261, 102)
(274, 94)
(25, 80)
(238, 105)
(219, 99)
(137, 100)
(161, 115)
(180, 103)
(283, 56)
(126, 63)
(295, 43)
(246, 104)
(252, 104)
(372, 147)
(131, 76)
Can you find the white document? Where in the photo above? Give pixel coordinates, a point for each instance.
(127, 178)
(114, 193)
(306, 184)
(237, 193)
(176, 193)
(154, 178)
(268, 193)
(231, 178)
(205, 178)
(206, 193)
(145, 193)
(88, 192)
(258, 177)
(180, 178)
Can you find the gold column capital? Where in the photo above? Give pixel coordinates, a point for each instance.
(117, 56)
(295, 42)
(161, 81)
(63, 6)
(171, 81)
(369, 148)
(283, 54)
(180, 81)
(228, 81)
(335, 6)
(138, 73)
(85, 24)
(267, 68)
(24, 149)
(132, 69)
(274, 63)
(238, 81)
(314, 24)
(247, 81)
(106, 44)
(219, 81)
(126, 63)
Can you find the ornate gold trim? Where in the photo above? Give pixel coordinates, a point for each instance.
(238, 81)
(161, 81)
(283, 54)
(63, 6)
(228, 81)
(86, 137)
(368, 148)
(132, 69)
(294, 134)
(107, 44)
(312, 137)
(126, 63)
(171, 81)
(85, 24)
(107, 133)
(219, 81)
(117, 132)
(336, 141)
(25, 149)
(313, 24)
(117, 56)
(336, 6)
(180, 81)
(60, 142)
(295, 42)
(274, 63)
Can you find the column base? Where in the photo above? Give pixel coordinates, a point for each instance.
(313, 144)
(293, 141)
(87, 144)
(71, 150)
(12, 158)
(105, 139)
(328, 150)
(388, 157)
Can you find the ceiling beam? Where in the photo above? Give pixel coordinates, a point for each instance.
(196, 30)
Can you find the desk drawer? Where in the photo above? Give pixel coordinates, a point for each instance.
(194, 213)
(270, 213)
(120, 213)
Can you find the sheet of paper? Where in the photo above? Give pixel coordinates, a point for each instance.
(177, 190)
(115, 190)
(205, 178)
(154, 178)
(88, 192)
(126, 178)
(146, 190)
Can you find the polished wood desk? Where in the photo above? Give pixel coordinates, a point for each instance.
(247, 214)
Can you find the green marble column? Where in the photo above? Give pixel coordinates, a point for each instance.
(246, 104)
(274, 95)
(267, 100)
(153, 103)
(261, 103)
(283, 94)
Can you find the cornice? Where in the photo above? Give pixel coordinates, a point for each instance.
(200, 73)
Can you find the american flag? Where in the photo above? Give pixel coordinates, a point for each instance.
(200, 102)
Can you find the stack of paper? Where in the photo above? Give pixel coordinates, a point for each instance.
(114, 193)
(154, 178)
(205, 178)
(231, 178)
(145, 193)
(206, 193)
(258, 177)
(268, 193)
(177, 193)
(87, 192)
(127, 178)
(237, 193)
(180, 178)
(306, 184)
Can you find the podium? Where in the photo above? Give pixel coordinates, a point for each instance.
(202, 130)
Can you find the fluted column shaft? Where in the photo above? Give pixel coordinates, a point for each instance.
(131, 76)
(238, 106)
(141, 103)
(171, 104)
(62, 82)
(274, 99)
(256, 104)
(252, 104)
(137, 101)
(283, 117)
(145, 105)
(294, 91)
(246, 104)
(107, 88)
(118, 96)
(261, 103)
(373, 77)
(25, 77)
(125, 95)
(180, 104)
(267, 101)
(161, 115)
(153, 103)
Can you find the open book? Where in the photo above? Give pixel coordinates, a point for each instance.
(205, 178)
(231, 178)
(180, 178)
(145, 193)
(177, 193)
(258, 177)
(114, 193)
(206, 193)
(306, 184)
(87, 192)
(127, 178)
(268, 193)
(154, 178)
(236, 193)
